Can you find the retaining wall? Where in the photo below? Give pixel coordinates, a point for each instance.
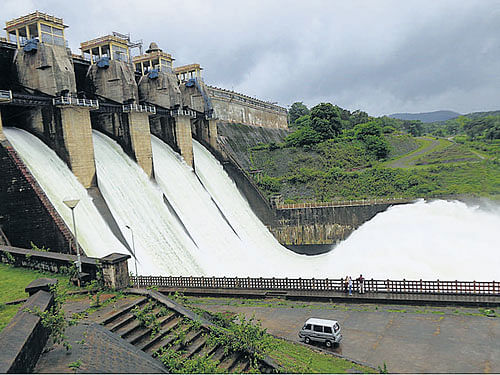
(26, 213)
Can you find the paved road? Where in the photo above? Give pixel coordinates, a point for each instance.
(405, 162)
(408, 339)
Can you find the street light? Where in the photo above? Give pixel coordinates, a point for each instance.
(133, 248)
(71, 203)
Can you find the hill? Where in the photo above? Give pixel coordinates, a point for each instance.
(426, 116)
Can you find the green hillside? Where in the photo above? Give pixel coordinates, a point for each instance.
(334, 154)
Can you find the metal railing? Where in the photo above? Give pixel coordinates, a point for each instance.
(33, 16)
(356, 202)
(139, 108)
(67, 100)
(5, 96)
(183, 112)
(323, 285)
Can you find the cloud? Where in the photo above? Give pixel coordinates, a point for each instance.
(379, 56)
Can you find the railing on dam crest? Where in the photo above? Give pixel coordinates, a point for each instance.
(323, 285)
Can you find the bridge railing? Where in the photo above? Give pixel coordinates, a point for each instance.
(356, 202)
(5, 96)
(323, 285)
(67, 100)
(139, 108)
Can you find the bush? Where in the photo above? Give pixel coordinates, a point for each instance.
(304, 136)
(270, 184)
(388, 129)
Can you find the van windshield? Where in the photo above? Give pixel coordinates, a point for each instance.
(336, 327)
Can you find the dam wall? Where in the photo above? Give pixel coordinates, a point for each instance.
(26, 213)
(237, 108)
(238, 138)
(313, 229)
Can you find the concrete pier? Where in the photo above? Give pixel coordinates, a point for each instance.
(212, 133)
(184, 138)
(140, 138)
(77, 138)
(2, 135)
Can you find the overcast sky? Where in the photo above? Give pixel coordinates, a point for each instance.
(378, 56)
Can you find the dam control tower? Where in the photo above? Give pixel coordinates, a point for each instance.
(158, 85)
(111, 78)
(44, 67)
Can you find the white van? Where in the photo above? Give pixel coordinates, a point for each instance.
(321, 330)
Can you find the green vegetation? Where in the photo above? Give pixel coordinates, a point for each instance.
(54, 319)
(148, 316)
(334, 154)
(18, 278)
(7, 312)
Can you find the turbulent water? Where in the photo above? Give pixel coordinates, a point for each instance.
(59, 184)
(441, 239)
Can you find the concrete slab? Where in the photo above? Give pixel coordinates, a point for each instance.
(98, 351)
(409, 339)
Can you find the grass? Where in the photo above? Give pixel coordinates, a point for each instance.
(296, 358)
(7, 312)
(451, 153)
(17, 279)
(13, 280)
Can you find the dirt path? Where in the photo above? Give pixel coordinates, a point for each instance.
(408, 339)
(404, 162)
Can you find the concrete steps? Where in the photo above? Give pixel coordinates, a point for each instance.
(176, 332)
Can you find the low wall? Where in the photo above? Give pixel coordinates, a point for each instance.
(321, 225)
(114, 267)
(24, 338)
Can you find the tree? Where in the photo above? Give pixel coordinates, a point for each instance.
(358, 117)
(303, 136)
(326, 120)
(369, 128)
(371, 135)
(298, 109)
(303, 121)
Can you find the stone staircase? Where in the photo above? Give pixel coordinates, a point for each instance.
(176, 329)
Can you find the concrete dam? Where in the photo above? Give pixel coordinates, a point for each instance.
(149, 150)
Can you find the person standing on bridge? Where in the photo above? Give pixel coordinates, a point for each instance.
(361, 284)
(349, 283)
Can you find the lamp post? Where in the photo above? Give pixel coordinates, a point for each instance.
(71, 203)
(133, 248)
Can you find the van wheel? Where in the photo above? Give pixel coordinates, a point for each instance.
(328, 344)
(307, 340)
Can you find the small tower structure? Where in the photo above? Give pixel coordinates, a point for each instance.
(158, 84)
(111, 77)
(153, 59)
(42, 61)
(111, 74)
(46, 28)
(44, 65)
(110, 46)
(186, 72)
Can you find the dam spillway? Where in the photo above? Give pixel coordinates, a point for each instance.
(445, 240)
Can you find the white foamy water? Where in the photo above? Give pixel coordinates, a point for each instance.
(441, 239)
(437, 240)
(268, 257)
(161, 245)
(59, 183)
